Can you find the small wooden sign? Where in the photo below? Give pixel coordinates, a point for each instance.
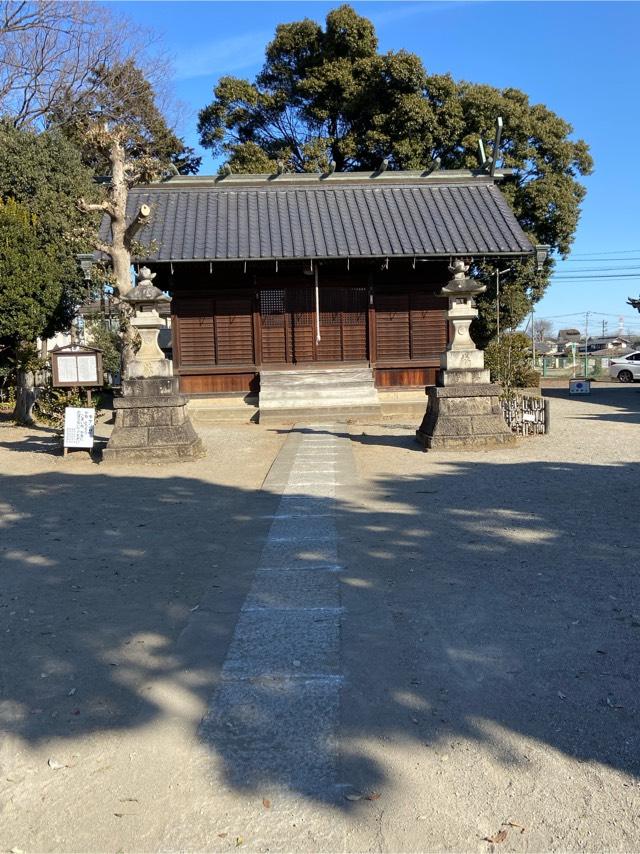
(76, 366)
(79, 424)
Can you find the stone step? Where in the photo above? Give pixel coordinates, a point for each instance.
(344, 393)
(287, 379)
(321, 415)
(224, 415)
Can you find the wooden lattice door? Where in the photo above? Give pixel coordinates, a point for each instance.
(288, 325)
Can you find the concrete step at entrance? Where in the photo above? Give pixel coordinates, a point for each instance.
(315, 378)
(347, 390)
(343, 392)
(321, 415)
(235, 409)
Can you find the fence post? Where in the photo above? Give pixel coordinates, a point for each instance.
(547, 414)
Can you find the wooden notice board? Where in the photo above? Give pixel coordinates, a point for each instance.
(76, 366)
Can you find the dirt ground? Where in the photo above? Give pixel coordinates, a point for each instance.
(490, 642)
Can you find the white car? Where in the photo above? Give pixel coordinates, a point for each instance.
(626, 368)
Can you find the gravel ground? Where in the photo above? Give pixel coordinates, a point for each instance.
(490, 640)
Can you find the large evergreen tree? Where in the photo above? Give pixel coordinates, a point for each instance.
(327, 94)
(41, 178)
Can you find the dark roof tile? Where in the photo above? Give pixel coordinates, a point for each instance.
(255, 222)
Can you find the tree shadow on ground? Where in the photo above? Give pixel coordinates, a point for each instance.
(480, 595)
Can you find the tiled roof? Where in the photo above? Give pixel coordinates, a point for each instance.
(323, 221)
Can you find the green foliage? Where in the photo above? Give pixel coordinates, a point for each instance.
(29, 291)
(99, 332)
(328, 94)
(509, 361)
(41, 231)
(51, 403)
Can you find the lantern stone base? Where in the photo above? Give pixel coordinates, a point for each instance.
(152, 424)
(464, 416)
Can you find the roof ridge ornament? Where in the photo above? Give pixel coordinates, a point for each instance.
(489, 162)
(434, 166)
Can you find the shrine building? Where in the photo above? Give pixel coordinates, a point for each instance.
(280, 283)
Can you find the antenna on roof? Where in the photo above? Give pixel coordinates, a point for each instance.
(482, 154)
(496, 146)
(432, 167)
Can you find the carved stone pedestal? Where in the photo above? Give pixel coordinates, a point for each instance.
(152, 424)
(464, 409)
(464, 416)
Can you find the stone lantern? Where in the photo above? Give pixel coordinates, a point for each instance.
(146, 299)
(152, 423)
(463, 410)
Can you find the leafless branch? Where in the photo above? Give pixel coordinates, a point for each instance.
(138, 222)
(48, 51)
(92, 207)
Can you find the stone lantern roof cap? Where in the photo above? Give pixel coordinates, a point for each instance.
(146, 292)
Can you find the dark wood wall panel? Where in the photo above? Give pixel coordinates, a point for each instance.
(234, 332)
(218, 383)
(216, 331)
(406, 377)
(392, 327)
(410, 326)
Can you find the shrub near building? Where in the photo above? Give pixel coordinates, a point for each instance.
(509, 361)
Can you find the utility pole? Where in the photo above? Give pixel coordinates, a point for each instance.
(498, 274)
(533, 336)
(586, 344)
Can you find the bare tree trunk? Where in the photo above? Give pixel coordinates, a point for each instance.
(26, 396)
(122, 235)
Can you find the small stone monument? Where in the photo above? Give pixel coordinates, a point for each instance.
(464, 408)
(151, 418)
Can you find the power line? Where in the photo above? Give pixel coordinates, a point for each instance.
(576, 277)
(600, 269)
(609, 260)
(608, 252)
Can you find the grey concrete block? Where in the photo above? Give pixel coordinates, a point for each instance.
(151, 387)
(167, 453)
(275, 730)
(462, 377)
(489, 425)
(176, 435)
(465, 405)
(277, 642)
(292, 589)
(128, 437)
(178, 415)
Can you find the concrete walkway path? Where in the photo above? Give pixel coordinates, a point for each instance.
(274, 718)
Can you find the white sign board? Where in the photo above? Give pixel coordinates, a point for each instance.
(79, 423)
(87, 369)
(67, 369)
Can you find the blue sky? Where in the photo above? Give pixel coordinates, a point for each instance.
(580, 59)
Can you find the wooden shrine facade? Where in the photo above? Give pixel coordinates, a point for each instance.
(392, 320)
(294, 271)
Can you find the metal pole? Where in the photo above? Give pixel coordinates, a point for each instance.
(315, 275)
(533, 335)
(498, 305)
(586, 340)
